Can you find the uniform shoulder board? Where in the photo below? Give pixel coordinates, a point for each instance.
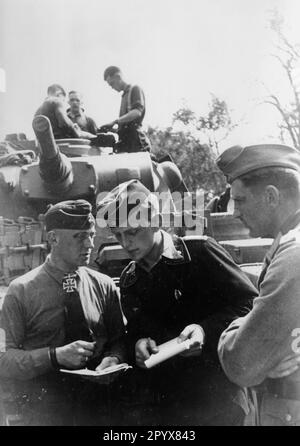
(128, 276)
(291, 236)
(181, 250)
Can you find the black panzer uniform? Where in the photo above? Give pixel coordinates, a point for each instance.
(197, 282)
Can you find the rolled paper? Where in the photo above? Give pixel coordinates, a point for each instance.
(166, 351)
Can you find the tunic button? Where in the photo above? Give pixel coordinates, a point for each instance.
(288, 417)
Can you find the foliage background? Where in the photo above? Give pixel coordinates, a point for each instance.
(193, 143)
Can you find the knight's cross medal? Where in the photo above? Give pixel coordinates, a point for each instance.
(69, 283)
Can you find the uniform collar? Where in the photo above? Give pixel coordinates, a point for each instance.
(56, 273)
(291, 223)
(174, 251)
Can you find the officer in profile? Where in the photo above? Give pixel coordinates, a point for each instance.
(61, 314)
(184, 288)
(132, 137)
(259, 351)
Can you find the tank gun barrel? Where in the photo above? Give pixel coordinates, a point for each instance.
(55, 168)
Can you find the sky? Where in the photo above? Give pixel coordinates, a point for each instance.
(178, 51)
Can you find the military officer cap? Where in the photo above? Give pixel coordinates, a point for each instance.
(129, 201)
(71, 214)
(237, 160)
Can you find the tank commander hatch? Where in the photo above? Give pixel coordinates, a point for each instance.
(60, 315)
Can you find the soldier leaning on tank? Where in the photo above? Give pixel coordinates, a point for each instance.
(77, 114)
(187, 287)
(40, 332)
(54, 108)
(132, 138)
(259, 351)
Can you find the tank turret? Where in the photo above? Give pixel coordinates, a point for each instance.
(66, 169)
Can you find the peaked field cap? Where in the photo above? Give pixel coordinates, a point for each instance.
(131, 195)
(71, 214)
(237, 160)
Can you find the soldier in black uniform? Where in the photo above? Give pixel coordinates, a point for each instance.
(187, 287)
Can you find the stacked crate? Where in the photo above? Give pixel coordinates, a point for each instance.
(22, 247)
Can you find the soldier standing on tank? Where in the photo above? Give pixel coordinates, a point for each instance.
(77, 114)
(132, 138)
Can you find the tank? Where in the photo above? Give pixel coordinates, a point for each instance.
(71, 169)
(68, 169)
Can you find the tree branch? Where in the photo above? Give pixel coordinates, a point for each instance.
(274, 101)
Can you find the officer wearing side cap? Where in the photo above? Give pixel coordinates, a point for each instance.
(259, 351)
(174, 287)
(42, 333)
(53, 108)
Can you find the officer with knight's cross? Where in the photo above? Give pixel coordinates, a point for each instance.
(59, 315)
